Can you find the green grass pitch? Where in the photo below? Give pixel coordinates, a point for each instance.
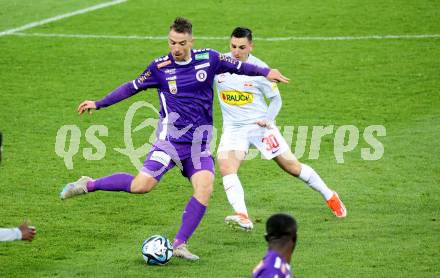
(393, 223)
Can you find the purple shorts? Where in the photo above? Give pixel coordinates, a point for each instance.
(190, 158)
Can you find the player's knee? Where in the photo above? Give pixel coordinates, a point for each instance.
(203, 193)
(143, 186)
(291, 167)
(225, 168)
(295, 168)
(208, 189)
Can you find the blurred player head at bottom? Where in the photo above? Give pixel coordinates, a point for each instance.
(281, 234)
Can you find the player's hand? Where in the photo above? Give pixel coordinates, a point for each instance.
(87, 105)
(275, 75)
(27, 232)
(264, 123)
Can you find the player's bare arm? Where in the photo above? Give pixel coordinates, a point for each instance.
(272, 111)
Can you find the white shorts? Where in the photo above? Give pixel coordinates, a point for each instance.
(269, 142)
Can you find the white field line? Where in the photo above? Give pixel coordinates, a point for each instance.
(61, 16)
(292, 38)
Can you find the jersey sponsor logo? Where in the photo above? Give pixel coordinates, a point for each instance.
(201, 75)
(228, 59)
(163, 64)
(201, 66)
(236, 97)
(247, 84)
(174, 77)
(170, 71)
(144, 76)
(201, 50)
(172, 85)
(202, 56)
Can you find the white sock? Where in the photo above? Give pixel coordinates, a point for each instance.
(312, 178)
(235, 193)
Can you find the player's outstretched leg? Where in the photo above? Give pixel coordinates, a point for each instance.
(337, 206)
(229, 163)
(192, 215)
(75, 188)
(304, 172)
(309, 176)
(115, 182)
(235, 193)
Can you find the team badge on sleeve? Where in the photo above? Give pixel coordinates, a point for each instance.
(228, 59)
(144, 77)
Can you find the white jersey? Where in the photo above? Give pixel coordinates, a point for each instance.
(242, 97)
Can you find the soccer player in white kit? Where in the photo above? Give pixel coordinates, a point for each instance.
(247, 119)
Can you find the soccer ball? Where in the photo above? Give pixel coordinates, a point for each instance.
(157, 250)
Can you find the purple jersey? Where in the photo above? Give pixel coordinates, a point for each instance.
(273, 265)
(185, 91)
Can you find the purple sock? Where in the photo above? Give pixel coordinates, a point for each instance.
(191, 217)
(115, 182)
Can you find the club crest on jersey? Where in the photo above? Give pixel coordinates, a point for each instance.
(236, 97)
(201, 75)
(172, 85)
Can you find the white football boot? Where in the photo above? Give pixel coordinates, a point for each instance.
(240, 220)
(75, 188)
(183, 252)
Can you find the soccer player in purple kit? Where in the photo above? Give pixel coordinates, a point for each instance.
(184, 80)
(281, 238)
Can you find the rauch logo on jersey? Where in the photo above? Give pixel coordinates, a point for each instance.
(236, 97)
